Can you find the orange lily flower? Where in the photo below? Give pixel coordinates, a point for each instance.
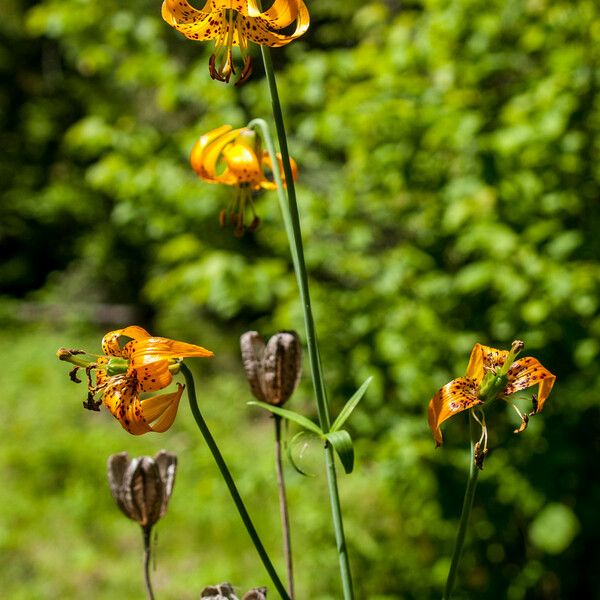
(143, 364)
(491, 373)
(233, 23)
(234, 157)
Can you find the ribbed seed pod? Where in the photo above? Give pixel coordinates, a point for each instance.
(142, 486)
(225, 591)
(273, 370)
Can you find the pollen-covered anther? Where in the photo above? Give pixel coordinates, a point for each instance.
(479, 455)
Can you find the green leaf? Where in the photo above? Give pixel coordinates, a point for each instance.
(290, 456)
(290, 415)
(342, 444)
(350, 406)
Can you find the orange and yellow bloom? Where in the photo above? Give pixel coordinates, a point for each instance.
(234, 23)
(134, 363)
(234, 157)
(490, 374)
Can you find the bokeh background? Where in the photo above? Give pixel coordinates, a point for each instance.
(449, 191)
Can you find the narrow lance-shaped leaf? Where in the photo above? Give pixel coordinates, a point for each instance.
(350, 406)
(290, 415)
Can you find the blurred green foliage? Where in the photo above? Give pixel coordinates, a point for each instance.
(450, 177)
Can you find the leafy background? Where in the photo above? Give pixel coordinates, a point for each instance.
(449, 190)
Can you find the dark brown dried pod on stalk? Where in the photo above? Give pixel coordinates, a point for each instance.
(142, 486)
(225, 591)
(273, 370)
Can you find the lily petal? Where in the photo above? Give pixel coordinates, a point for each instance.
(484, 358)
(207, 152)
(152, 349)
(458, 395)
(527, 372)
(160, 411)
(110, 342)
(243, 165)
(121, 397)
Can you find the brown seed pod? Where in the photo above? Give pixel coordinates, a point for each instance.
(225, 591)
(273, 370)
(142, 486)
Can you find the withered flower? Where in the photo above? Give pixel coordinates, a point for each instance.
(273, 370)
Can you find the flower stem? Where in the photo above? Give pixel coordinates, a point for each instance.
(464, 517)
(283, 507)
(291, 220)
(146, 532)
(235, 495)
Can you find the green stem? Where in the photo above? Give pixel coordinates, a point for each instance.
(147, 532)
(464, 517)
(291, 220)
(235, 495)
(283, 507)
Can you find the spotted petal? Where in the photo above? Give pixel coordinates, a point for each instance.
(243, 164)
(121, 397)
(110, 342)
(484, 358)
(527, 372)
(458, 395)
(153, 349)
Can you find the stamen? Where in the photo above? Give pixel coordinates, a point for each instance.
(73, 375)
(524, 419)
(481, 449)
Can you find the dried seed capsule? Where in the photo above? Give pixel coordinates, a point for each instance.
(256, 594)
(221, 591)
(273, 370)
(142, 486)
(281, 367)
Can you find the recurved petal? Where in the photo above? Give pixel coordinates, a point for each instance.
(204, 24)
(121, 397)
(527, 372)
(260, 32)
(483, 358)
(243, 165)
(159, 412)
(153, 349)
(269, 184)
(284, 12)
(458, 395)
(110, 342)
(207, 152)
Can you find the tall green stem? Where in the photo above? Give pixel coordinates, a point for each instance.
(291, 218)
(464, 517)
(235, 495)
(283, 507)
(147, 532)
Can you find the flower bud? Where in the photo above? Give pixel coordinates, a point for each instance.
(142, 486)
(273, 370)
